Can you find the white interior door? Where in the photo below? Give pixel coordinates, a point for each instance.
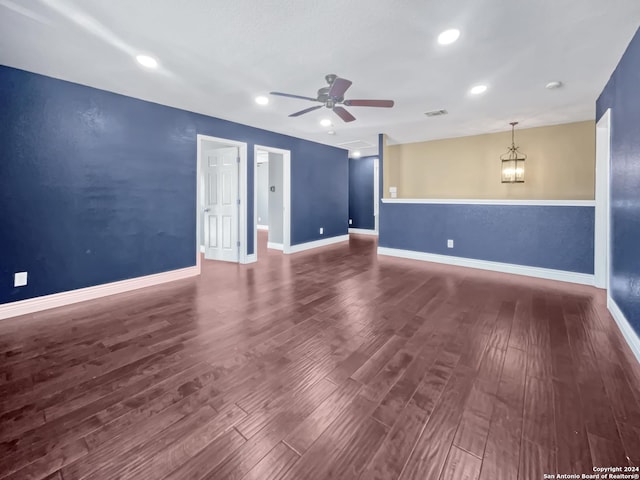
(221, 209)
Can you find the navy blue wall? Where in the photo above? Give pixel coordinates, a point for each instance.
(319, 190)
(560, 238)
(97, 187)
(361, 211)
(621, 95)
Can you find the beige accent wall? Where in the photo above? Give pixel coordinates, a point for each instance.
(560, 165)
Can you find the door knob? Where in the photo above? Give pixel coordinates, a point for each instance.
(207, 210)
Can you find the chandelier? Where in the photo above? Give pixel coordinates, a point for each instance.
(513, 161)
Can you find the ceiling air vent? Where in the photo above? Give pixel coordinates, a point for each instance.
(436, 113)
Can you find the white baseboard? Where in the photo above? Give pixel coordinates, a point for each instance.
(202, 249)
(250, 259)
(275, 246)
(363, 231)
(263, 227)
(548, 273)
(625, 327)
(317, 243)
(31, 305)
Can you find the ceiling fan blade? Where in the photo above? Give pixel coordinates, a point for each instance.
(343, 114)
(293, 96)
(339, 86)
(306, 110)
(369, 103)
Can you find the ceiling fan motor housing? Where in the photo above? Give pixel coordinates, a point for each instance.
(323, 94)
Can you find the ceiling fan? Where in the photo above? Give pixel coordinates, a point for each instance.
(332, 97)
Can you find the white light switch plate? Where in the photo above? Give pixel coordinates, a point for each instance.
(20, 279)
(449, 243)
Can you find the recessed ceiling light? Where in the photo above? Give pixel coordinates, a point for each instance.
(262, 100)
(356, 154)
(478, 89)
(325, 122)
(331, 132)
(448, 36)
(147, 61)
(553, 85)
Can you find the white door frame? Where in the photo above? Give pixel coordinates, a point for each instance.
(376, 193)
(286, 198)
(242, 180)
(602, 240)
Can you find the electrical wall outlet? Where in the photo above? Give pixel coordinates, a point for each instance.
(321, 230)
(20, 279)
(449, 243)
(350, 221)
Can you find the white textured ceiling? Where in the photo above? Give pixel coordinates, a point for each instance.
(217, 55)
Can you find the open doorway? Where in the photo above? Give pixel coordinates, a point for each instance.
(221, 213)
(272, 199)
(364, 192)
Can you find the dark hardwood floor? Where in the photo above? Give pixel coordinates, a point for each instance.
(327, 364)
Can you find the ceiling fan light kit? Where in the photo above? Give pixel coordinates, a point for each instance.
(332, 97)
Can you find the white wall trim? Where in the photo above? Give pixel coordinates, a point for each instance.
(363, 231)
(471, 201)
(625, 327)
(286, 196)
(252, 258)
(376, 194)
(275, 246)
(202, 249)
(244, 207)
(317, 243)
(601, 250)
(548, 273)
(23, 307)
(262, 227)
